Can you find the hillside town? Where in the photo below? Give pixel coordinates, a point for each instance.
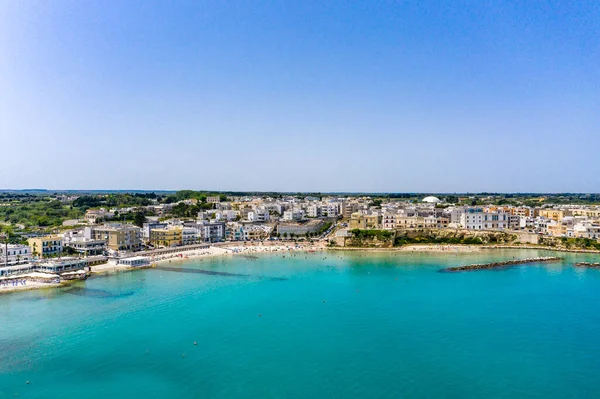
(101, 236)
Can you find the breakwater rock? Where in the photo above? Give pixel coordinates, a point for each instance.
(492, 265)
(588, 264)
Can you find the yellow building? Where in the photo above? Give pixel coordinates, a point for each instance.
(45, 246)
(359, 221)
(558, 230)
(554, 214)
(166, 237)
(589, 213)
(119, 237)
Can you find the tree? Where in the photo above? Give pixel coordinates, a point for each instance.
(139, 219)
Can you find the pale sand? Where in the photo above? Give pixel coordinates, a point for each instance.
(236, 249)
(6, 284)
(440, 248)
(108, 268)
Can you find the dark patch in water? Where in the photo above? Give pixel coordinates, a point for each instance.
(96, 293)
(214, 273)
(492, 269)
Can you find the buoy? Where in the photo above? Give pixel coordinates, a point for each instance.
(27, 382)
(195, 343)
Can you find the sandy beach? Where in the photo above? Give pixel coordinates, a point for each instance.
(440, 248)
(29, 281)
(237, 249)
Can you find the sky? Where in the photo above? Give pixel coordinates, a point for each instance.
(347, 96)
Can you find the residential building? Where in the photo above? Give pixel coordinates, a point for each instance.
(166, 237)
(213, 199)
(587, 229)
(87, 246)
(554, 214)
(360, 221)
(300, 229)
(95, 215)
(293, 214)
(313, 211)
(477, 219)
(214, 231)
(45, 246)
(260, 215)
(148, 227)
(14, 254)
(119, 237)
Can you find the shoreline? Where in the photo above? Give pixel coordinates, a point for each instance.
(242, 248)
(460, 248)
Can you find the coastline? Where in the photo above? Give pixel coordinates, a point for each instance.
(245, 248)
(460, 248)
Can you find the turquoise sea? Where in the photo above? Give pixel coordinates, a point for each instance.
(311, 325)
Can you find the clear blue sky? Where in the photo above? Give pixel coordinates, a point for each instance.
(398, 96)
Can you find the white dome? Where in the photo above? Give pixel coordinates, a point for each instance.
(431, 199)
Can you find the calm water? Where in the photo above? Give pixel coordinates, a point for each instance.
(353, 325)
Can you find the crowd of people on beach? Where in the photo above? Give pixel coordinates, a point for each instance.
(13, 283)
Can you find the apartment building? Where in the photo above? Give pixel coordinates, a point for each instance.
(260, 215)
(14, 254)
(214, 231)
(477, 219)
(166, 237)
(45, 246)
(554, 214)
(360, 221)
(119, 237)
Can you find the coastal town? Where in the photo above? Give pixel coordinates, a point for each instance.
(160, 228)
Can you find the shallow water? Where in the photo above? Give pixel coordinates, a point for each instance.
(352, 325)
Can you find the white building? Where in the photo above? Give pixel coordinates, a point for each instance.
(190, 235)
(586, 230)
(313, 211)
(15, 254)
(293, 214)
(477, 219)
(259, 215)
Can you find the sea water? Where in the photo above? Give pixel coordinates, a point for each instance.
(311, 325)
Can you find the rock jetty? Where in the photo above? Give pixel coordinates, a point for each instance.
(492, 265)
(588, 264)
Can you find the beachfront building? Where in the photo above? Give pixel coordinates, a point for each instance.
(87, 246)
(149, 226)
(478, 219)
(360, 221)
(45, 246)
(135, 261)
(62, 265)
(213, 231)
(190, 235)
(255, 232)
(587, 229)
(166, 237)
(14, 254)
(300, 229)
(119, 237)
